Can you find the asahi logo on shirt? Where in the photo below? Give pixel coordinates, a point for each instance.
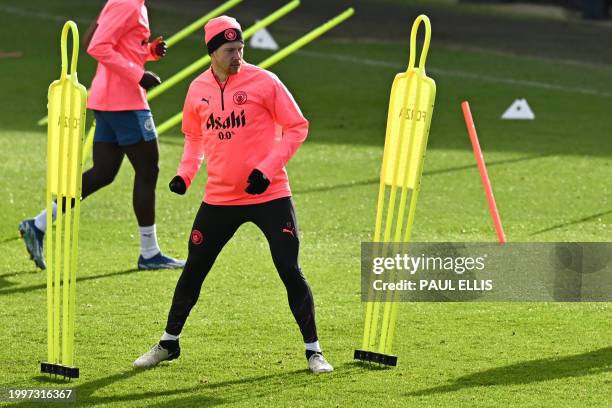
(234, 120)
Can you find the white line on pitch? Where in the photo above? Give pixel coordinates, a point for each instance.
(461, 74)
(38, 14)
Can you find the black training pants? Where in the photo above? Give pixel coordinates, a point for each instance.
(213, 227)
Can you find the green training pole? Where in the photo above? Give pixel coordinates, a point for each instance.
(202, 62)
(278, 56)
(195, 67)
(170, 123)
(302, 41)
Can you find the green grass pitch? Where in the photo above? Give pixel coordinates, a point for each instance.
(240, 346)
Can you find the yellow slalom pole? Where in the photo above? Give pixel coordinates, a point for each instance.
(417, 188)
(391, 307)
(182, 34)
(59, 226)
(61, 183)
(199, 23)
(370, 306)
(66, 160)
(76, 164)
(394, 181)
(68, 157)
(67, 108)
(430, 86)
(412, 99)
(49, 244)
(78, 115)
(49, 257)
(278, 56)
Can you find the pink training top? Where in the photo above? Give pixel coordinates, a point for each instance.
(121, 46)
(251, 121)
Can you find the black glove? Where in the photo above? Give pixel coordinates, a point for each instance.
(177, 185)
(258, 182)
(159, 47)
(149, 80)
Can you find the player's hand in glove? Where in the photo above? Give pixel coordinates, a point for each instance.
(158, 48)
(258, 182)
(149, 80)
(177, 185)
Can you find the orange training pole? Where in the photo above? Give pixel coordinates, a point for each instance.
(469, 122)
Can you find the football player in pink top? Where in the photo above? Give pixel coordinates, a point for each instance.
(124, 124)
(247, 126)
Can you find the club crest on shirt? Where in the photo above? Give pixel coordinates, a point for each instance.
(240, 97)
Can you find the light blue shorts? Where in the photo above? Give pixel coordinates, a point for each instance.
(124, 127)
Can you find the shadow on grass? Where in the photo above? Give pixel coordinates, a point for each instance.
(546, 369)
(11, 239)
(85, 391)
(569, 223)
(243, 389)
(5, 283)
(86, 278)
(202, 395)
(364, 365)
(425, 173)
(33, 271)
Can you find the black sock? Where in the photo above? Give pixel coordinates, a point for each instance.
(309, 353)
(170, 345)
